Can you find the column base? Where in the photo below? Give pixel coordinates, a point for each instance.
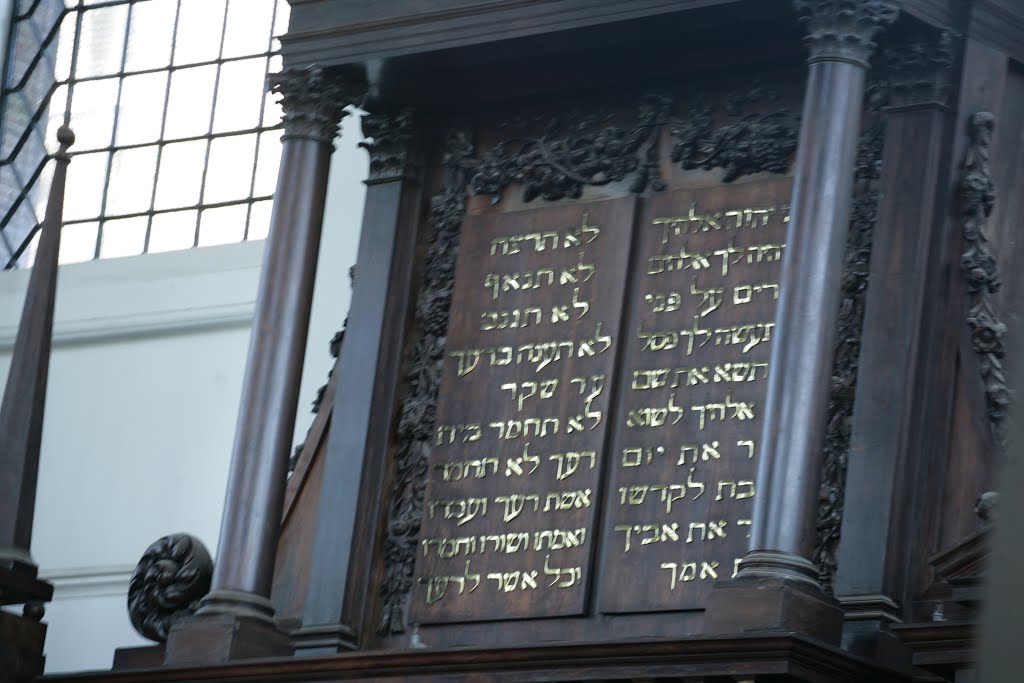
(867, 630)
(20, 583)
(774, 592)
(21, 648)
(229, 626)
(330, 639)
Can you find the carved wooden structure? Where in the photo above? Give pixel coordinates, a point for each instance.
(676, 349)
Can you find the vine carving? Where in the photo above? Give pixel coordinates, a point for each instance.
(981, 272)
(750, 143)
(417, 414)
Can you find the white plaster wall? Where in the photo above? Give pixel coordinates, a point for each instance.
(145, 381)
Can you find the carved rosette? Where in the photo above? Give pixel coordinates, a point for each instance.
(844, 30)
(919, 73)
(417, 414)
(171, 578)
(314, 101)
(388, 137)
(863, 216)
(981, 271)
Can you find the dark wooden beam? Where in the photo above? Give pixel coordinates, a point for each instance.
(776, 657)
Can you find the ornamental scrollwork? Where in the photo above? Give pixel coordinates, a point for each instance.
(417, 413)
(576, 151)
(748, 143)
(981, 271)
(173, 575)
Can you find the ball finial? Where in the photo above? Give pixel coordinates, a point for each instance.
(65, 136)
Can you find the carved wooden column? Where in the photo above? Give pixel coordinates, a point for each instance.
(236, 619)
(777, 585)
(21, 432)
(341, 573)
(882, 476)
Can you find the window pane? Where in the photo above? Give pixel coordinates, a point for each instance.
(247, 31)
(229, 171)
(272, 111)
(87, 174)
(78, 242)
(131, 181)
(173, 231)
(200, 24)
(55, 117)
(239, 95)
(142, 108)
(65, 46)
(190, 103)
(92, 113)
(181, 174)
(269, 163)
(224, 225)
(259, 220)
(280, 23)
(101, 44)
(123, 237)
(149, 36)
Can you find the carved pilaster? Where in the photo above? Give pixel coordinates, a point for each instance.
(919, 73)
(981, 271)
(388, 139)
(314, 101)
(844, 30)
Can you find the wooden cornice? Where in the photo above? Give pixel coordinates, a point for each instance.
(747, 656)
(332, 33)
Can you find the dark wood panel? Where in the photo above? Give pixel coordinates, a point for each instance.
(679, 502)
(522, 413)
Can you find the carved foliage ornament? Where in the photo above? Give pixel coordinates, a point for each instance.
(748, 144)
(171, 578)
(844, 30)
(577, 151)
(417, 414)
(919, 72)
(314, 101)
(388, 138)
(981, 272)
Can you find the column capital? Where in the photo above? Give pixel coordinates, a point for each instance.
(388, 136)
(920, 73)
(844, 30)
(314, 101)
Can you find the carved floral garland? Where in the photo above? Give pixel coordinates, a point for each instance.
(981, 272)
(417, 414)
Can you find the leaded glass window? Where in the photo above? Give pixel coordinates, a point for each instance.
(178, 142)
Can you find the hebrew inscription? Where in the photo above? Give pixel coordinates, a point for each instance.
(697, 346)
(522, 416)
